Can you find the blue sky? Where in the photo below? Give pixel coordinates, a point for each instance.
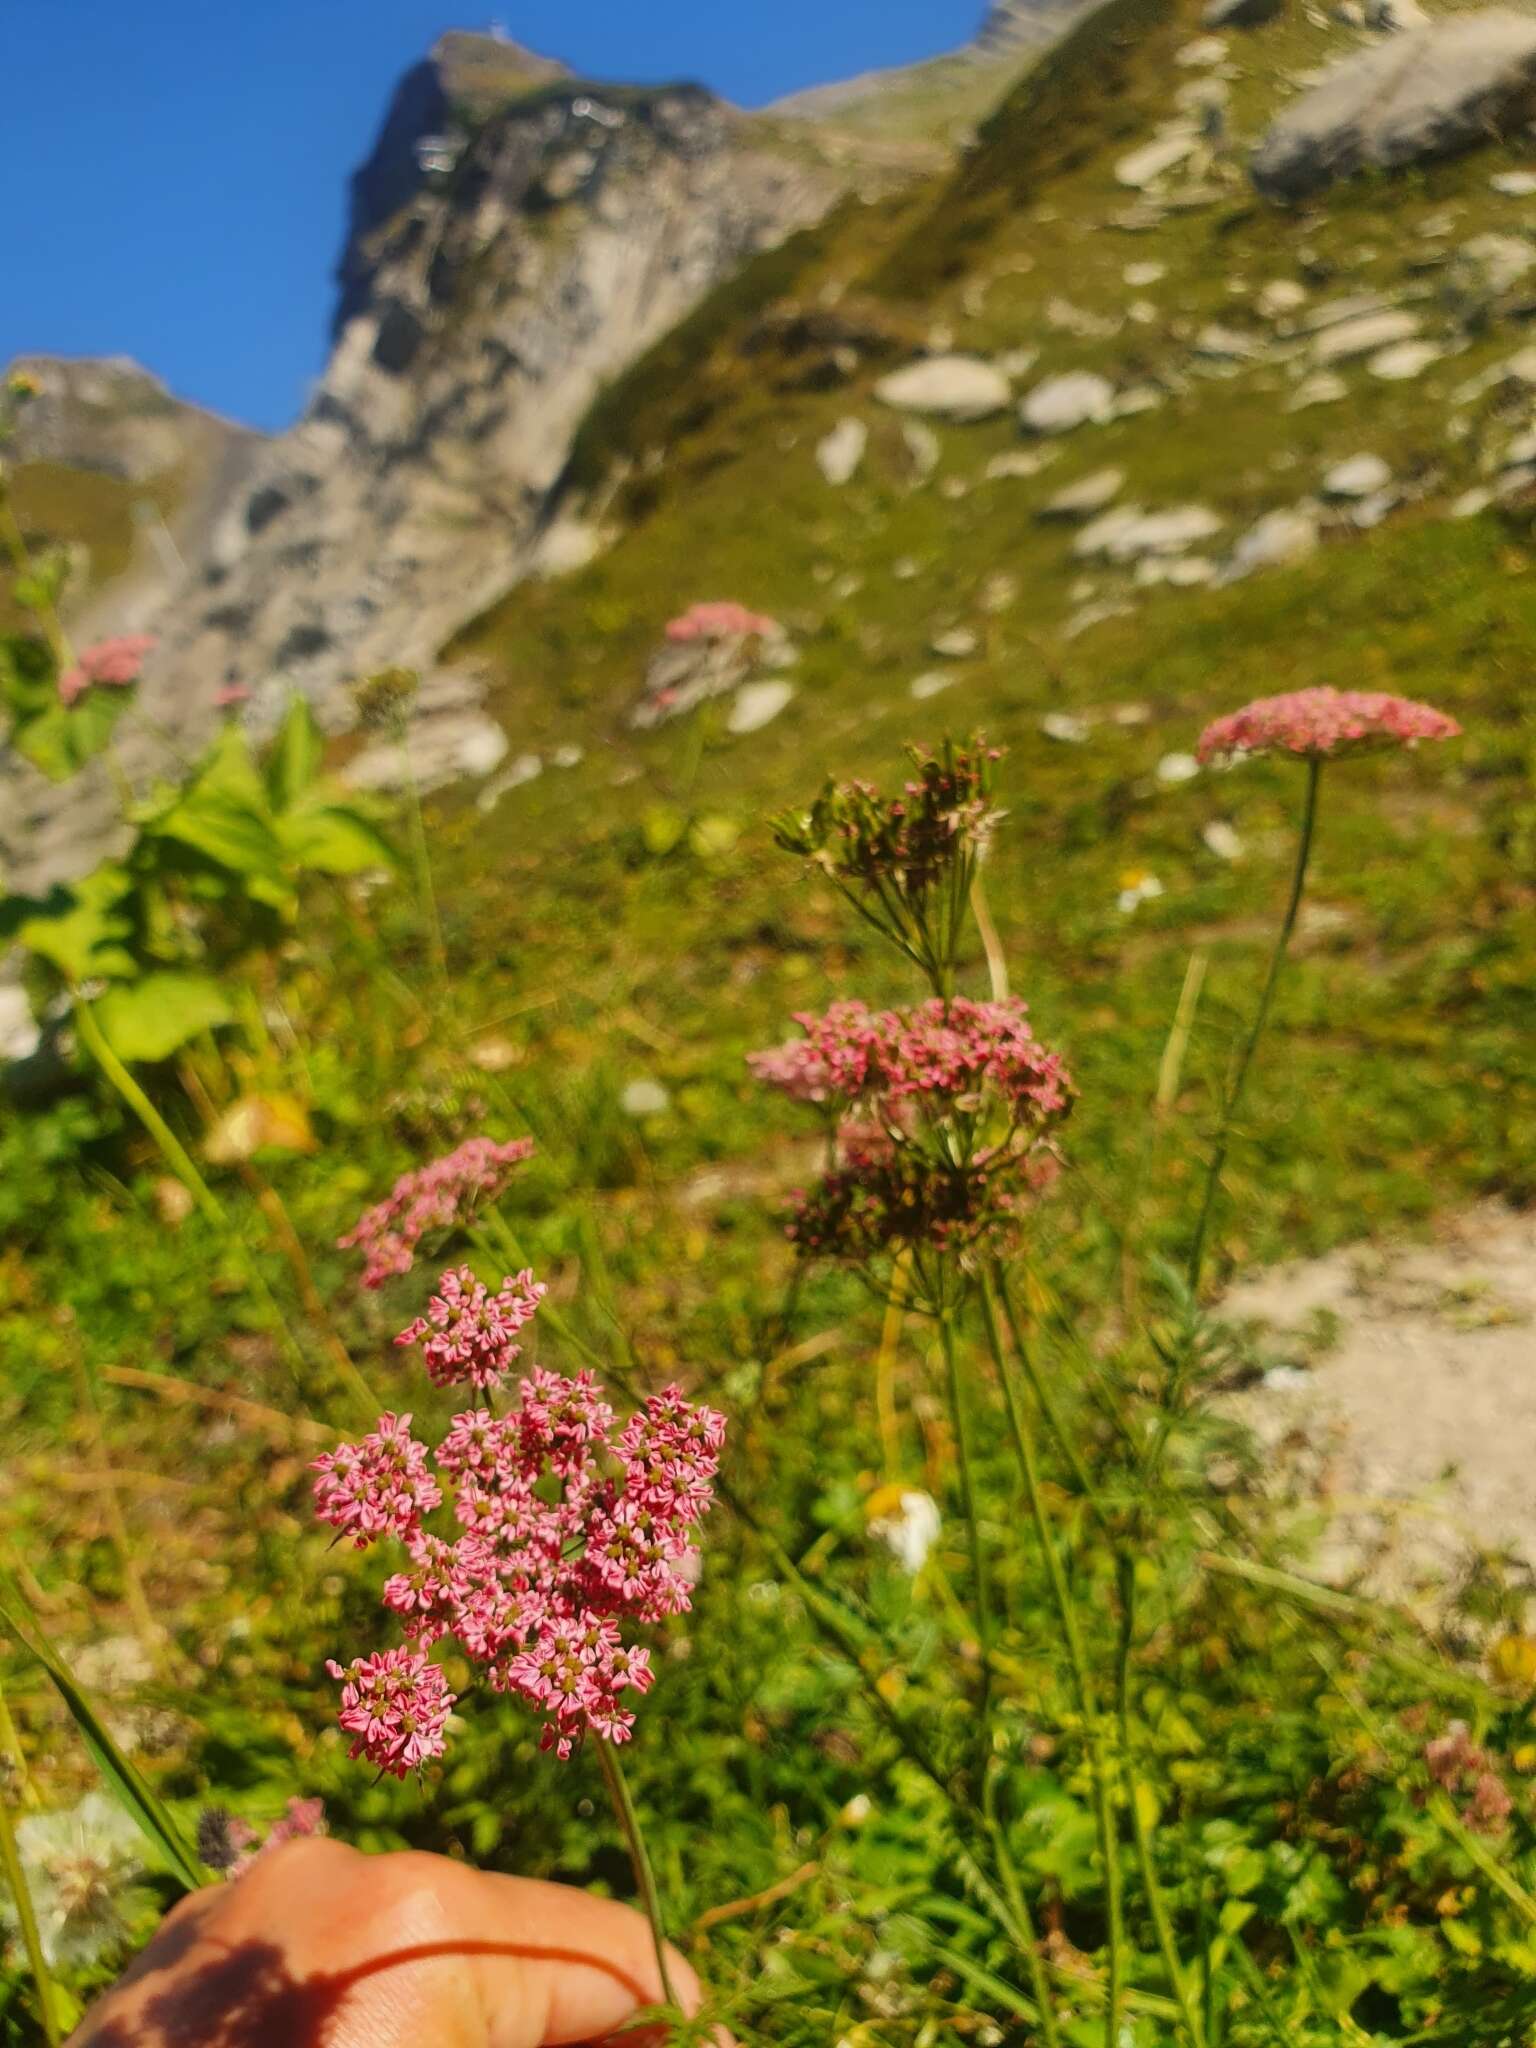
(179, 167)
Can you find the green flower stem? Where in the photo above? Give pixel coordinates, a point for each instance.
(421, 856)
(1065, 1441)
(21, 1898)
(184, 1167)
(1082, 1683)
(1261, 1017)
(639, 1856)
(1034, 1962)
(1157, 1904)
(983, 1590)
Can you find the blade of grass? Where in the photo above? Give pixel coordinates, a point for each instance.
(122, 1778)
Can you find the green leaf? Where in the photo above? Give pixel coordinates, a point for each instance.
(78, 927)
(223, 814)
(295, 759)
(28, 679)
(60, 739)
(122, 1779)
(152, 1018)
(333, 839)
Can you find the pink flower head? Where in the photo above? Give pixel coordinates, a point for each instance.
(840, 1058)
(721, 620)
(437, 1197)
(468, 1335)
(567, 1530)
(1460, 1767)
(395, 1706)
(117, 663)
(231, 695)
(1321, 722)
(380, 1487)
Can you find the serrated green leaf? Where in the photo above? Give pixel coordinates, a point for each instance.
(152, 1018)
(61, 738)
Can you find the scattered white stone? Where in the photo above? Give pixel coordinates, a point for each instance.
(645, 1098)
(1222, 840)
(1226, 345)
(840, 453)
(436, 751)
(1369, 512)
(1176, 768)
(904, 569)
(1280, 296)
(1142, 167)
(1203, 50)
(756, 705)
(958, 644)
(999, 592)
(1074, 399)
(1138, 889)
(1359, 476)
(923, 448)
(1127, 532)
(1019, 462)
(567, 757)
(1520, 451)
(1514, 184)
(1139, 275)
(1470, 503)
(954, 488)
(1521, 366)
(1142, 312)
(1285, 535)
(525, 768)
(1182, 572)
(1017, 362)
(1088, 495)
(930, 684)
(1069, 319)
(1334, 312)
(948, 386)
(1502, 259)
(1139, 398)
(1364, 336)
(1061, 725)
(20, 1035)
(1095, 614)
(1323, 387)
(848, 585)
(1403, 360)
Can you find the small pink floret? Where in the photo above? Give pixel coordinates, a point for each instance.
(395, 1706)
(1324, 721)
(468, 1336)
(115, 663)
(722, 619)
(437, 1197)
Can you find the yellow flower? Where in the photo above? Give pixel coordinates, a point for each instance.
(1512, 1661)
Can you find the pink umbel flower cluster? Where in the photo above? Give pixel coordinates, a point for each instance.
(721, 619)
(437, 1197)
(395, 1705)
(1322, 722)
(568, 1527)
(946, 1055)
(116, 663)
(468, 1336)
(1461, 1768)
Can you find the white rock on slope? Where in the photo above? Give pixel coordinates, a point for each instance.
(953, 387)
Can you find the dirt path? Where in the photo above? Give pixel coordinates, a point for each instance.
(1401, 1393)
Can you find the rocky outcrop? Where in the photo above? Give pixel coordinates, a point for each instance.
(1430, 92)
(541, 245)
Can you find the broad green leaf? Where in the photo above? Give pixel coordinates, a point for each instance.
(122, 1779)
(60, 739)
(333, 839)
(28, 679)
(295, 759)
(79, 927)
(152, 1018)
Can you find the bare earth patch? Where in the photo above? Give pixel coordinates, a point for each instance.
(1400, 1394)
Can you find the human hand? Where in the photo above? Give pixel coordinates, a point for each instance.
(318, 1946)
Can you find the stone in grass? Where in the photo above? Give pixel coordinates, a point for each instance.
(1063, 726)
(1221, 838)
(954, 387)
(923, 449)
(524, 768)
(1089, 494)
(1077, 398)
(1358, 476)
(958, 644)
(930, 683)
(1139, 275)
(645, 1097)
(1280, 296)
(1404, 360)
(1288, 534)
(1514, 184)
(1470, 503)
(1153, 160)
(1019, 462)
(1363, 336)
(1128, 532)
(1176, 768)
(756, 705)
(1240, 13)
(840, 453)
(1322, 388)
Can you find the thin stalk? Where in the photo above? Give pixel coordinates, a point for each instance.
(984, 1625)
(639, 1856)
(422, 858)
(1261, 1017)
(1162, 1925)
(21, 1898)
(1082, 1683)
(991, 944)
(1039, 1982)
(885, 1364)
(150, 1635)
(1046, 1402)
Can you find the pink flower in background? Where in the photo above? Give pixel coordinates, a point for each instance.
(721, 620)
(1460, 1767)
(378, 1487)
(567, 1529)
(116, 663)
(1324, 721)
(395, 1706)
(432, 1198)
(468, 1336)
(231, 695)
